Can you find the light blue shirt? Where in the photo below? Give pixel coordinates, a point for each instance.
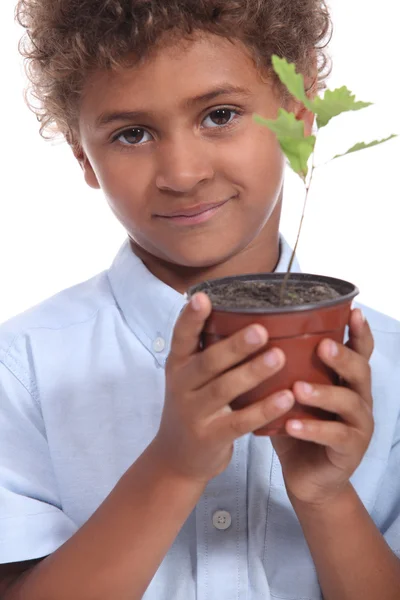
(81, 396)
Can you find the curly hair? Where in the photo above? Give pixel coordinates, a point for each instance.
(66, 40)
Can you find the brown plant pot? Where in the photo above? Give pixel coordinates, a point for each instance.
(297, 330)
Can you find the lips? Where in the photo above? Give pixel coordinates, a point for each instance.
(194, 210)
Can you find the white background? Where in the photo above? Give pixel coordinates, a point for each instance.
(55, 231)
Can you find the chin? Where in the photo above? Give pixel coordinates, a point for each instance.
(205, 261)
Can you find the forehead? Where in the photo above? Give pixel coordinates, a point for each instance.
(175, 71)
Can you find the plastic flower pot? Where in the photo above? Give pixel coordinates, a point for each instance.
(296, 329)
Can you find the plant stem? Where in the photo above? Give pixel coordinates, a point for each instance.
(286, 279)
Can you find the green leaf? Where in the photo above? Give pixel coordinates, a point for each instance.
(286, 125)
(364, 146)
(334, 103)
(298, 153)
(290, 133)
(293, 81)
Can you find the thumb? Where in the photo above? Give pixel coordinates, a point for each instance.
(361, 338)
(189, 326)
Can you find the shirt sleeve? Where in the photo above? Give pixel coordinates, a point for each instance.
(386, 512)
(32, 523)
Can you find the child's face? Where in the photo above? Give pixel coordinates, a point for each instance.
(179, 152)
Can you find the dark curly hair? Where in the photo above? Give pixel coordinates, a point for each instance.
(65, 40)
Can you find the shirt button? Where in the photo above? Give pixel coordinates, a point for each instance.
(159, 344)
(222, 520)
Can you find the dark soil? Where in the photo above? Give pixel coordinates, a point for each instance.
(260, 294)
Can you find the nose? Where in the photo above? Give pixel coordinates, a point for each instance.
(183, 164)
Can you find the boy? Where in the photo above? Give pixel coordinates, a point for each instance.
(125, 475)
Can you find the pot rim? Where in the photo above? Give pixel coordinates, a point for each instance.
(336, 283)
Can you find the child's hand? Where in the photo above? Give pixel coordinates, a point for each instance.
(198, 427)
(316, 472)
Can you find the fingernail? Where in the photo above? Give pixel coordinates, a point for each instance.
(333, 349)
(296, 425)
(196, 302)
(272, 358)
(306, 388)
(284, 400)
(255, 335)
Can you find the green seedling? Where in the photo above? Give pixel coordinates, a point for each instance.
(298, 148)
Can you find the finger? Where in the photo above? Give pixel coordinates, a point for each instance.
(361, 338)
(223, 390)
(348, 405)
(338, 437)
(241, 422)
(188, 328)
(349, 365)
(224, 355)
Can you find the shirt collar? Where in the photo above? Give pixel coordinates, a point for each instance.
(152, 307)
(285, 254)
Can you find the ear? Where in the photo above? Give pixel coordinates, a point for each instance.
(311, 86)
(83, 160)
(303, 114)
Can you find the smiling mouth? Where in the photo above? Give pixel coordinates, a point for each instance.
(194, 211)
(196, 215)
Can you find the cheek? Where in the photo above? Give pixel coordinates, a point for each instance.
(124, 181)
(123, 173)
(260, 164)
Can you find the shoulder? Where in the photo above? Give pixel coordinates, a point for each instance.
(386, 332)
(68, 308)
(379, 321)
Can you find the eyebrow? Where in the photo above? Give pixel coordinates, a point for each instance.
(107, 118)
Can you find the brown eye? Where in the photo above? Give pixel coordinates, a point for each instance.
(132, 137)
(221, 116)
